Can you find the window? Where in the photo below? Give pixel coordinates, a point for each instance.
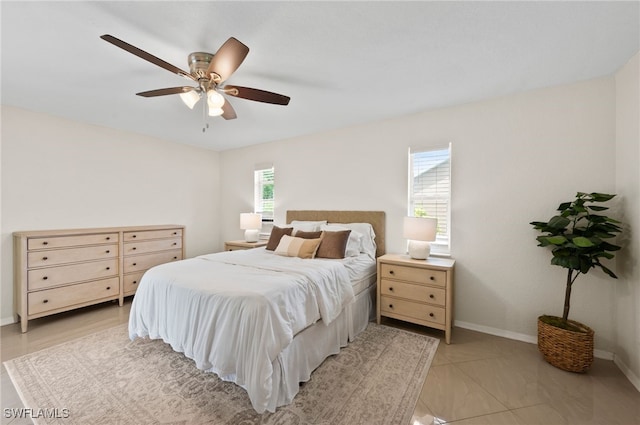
(263, 191)
(430, 191)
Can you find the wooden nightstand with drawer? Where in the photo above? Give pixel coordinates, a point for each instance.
(417, 291)
(241, 244)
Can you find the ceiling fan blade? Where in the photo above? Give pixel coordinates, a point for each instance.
(146, 56)
(227, 59)
(164, 92)
(256, 94)
(228, 112)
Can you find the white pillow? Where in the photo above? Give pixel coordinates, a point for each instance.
(354, 244)
(368, 244)
(307, 226)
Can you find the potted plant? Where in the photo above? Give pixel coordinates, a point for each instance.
(577, 237)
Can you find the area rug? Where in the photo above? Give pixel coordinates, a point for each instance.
(105, 378)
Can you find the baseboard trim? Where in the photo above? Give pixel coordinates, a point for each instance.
(7, 321)
(532, 339)
(632, 377)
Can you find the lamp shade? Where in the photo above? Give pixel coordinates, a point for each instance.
(420, 228)
(251, 223)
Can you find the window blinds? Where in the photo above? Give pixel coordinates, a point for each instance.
(263, 191)
(430, 190)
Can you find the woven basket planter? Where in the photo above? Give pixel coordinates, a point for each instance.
(565, 349)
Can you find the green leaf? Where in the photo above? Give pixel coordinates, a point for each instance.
(597, 208)
(555, 240)
(601, 197)
(607, 271)
(558, 222)
(582, 242)
(563, 206)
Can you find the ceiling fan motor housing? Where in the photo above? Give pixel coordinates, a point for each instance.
(199, 63)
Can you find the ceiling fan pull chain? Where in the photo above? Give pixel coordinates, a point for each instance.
(204, 117)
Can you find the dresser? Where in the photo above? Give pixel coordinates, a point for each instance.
(61, 270)
(417, 291)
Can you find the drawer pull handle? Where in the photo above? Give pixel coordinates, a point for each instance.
(432, 278)
(175, 233)
(134, 248)
(45, 278)
(45, 258)
(431, 314)
(390, 271)
(133, 236)
(175, 258)
(390, 305)
(45, 243)
(175, 243)
(432, 296)
(108, 238)
(134, 264)
(135, 281)
(108, 251)
(45, 301)
(108, 268)
(391, 289)
(108, 287)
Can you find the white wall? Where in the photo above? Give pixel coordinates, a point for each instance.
(515, 159)
(627, 347)
(60, 174)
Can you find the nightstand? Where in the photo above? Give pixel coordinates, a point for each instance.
(416, 291)
(241, 244)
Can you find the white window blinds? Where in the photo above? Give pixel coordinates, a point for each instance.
(430, 191)
(263, 191)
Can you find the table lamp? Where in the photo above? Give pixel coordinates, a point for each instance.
(251, 224)
(420, 231)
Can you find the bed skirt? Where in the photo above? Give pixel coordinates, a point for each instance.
(312, 346)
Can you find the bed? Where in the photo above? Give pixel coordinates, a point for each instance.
(260, 318)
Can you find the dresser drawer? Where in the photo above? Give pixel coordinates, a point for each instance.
(71, 255)
(68, 241)
(414, 274)
(138, 263)
(55, 276)
(134, 248)
(412, 309)
(428, 294)
(152, 234)
(131, 282)
(65, 296)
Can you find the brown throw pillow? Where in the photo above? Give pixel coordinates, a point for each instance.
(276, 235)
(333, 245)
(308, 235)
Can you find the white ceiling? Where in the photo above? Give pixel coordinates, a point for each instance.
(342, 63)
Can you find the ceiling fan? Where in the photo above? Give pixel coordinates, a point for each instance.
(209, 71)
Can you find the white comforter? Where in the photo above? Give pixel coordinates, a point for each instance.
(234, 312)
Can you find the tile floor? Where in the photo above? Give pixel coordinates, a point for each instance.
(478, 379)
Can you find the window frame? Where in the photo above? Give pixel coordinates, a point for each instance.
(442, 245)
(258, 190)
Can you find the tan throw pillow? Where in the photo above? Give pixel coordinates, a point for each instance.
(307, 235)
(334, 244)
(276, 235)
(290, 246)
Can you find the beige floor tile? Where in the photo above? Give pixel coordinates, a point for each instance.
(539, 414)
(511, 380)
(502, 418)
(452, 395)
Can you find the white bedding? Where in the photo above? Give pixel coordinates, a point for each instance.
(234, 312)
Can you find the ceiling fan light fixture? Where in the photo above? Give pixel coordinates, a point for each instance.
(190, 98)
(215, 99)
(215, 112)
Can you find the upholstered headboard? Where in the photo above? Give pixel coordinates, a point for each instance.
(376, 218)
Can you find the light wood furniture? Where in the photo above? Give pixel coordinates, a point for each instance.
(60, 270)
(417, 291)
(241, 244)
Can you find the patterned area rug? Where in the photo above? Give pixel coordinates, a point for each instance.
(106, 379)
